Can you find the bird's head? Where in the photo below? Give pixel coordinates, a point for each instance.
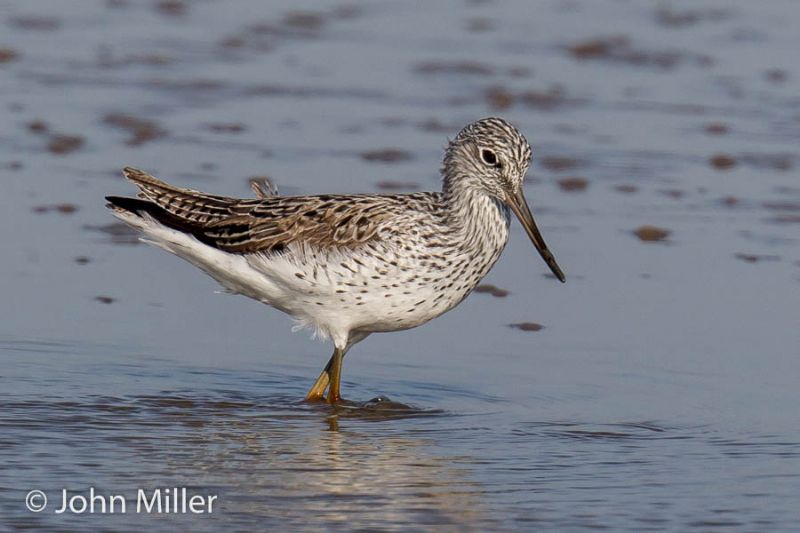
(491, 156)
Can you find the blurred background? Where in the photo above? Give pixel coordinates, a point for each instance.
(657, 389)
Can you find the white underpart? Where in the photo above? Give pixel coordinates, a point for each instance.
(235, 272)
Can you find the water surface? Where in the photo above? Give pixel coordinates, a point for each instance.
(661, 391)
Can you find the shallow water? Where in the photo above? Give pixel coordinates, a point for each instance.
(661, 392)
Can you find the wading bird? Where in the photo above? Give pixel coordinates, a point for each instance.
(352, 265)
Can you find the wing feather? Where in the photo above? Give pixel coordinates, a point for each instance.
(271, 224)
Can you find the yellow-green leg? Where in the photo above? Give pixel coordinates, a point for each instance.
(331, 377)
(317, 391)
(336, 376)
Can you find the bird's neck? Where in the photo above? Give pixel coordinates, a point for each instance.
(480, 219)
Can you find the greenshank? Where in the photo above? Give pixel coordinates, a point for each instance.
(352, 265)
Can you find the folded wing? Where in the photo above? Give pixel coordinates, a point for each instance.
(264, 224)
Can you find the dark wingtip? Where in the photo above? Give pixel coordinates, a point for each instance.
(113, 201)
(140, 207)
(134, 205)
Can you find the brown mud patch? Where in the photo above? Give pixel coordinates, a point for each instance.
(722, 161)
(675, 194)
(717, 128)
(573, 184)
(652, 233)
(107, 59)
(780, 162)
(7, 55)
(618, 48)
(62, 144)
(468, 68)
(64, 209)
(386, 155)
(141, 130)
(298, 24)
(554, 97)
(172, 8)
(57, 143)
(38, 126)
(499, 98)
(557, 163)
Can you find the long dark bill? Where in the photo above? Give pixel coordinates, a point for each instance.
(517, 203)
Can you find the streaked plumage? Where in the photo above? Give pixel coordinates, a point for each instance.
(351, 265)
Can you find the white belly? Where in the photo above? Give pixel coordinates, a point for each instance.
(383, 287)
(337, 290)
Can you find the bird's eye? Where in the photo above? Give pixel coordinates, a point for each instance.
(489, 157)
